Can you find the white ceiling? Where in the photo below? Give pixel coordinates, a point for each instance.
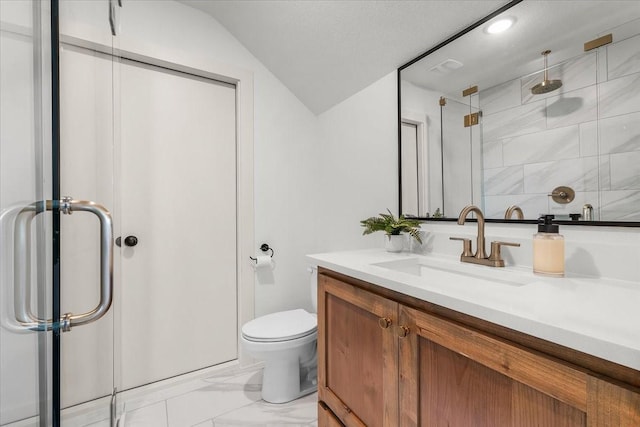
(325, 51)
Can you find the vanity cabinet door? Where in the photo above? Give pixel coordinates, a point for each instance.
(452, 375)
(326, 418)
(612, 404)
(357, 355)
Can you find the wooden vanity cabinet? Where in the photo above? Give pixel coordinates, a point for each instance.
(386, 363)
(326, 417)
(358, 354)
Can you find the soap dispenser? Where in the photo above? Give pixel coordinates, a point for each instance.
(548, 248)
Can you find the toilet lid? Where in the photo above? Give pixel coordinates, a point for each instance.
(281, 326)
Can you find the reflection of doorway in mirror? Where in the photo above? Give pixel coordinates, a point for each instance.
(414, 154)
(410, 184)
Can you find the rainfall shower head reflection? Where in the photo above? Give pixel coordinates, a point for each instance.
(546, 85)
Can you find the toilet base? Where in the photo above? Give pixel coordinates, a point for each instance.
(285, 380)
(290, 365)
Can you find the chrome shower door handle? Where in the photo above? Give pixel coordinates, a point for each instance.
(106, 261)
(22, 267)
(22, 294)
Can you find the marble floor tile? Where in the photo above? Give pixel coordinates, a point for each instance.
(209, 402)
(93, 414)
(152, 415)
(253, 377)
(139, 398)
(231, 397)
(300, 412)
(232, 373)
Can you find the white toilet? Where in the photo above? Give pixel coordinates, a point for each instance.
(287, 343)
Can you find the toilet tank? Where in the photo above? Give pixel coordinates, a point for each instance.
(313, 282)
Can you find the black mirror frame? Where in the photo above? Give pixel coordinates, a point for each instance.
(502, 221)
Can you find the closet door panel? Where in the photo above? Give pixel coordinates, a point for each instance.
(178, 194)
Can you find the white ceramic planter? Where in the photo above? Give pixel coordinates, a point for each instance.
(394, 243)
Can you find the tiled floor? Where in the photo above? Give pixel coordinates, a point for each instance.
(230, 398)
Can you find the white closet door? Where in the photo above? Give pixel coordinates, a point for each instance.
(178, 197)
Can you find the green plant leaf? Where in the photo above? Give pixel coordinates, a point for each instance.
(391, 225)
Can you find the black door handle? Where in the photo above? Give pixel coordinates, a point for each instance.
(128, 241)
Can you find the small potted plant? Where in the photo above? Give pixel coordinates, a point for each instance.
(393, 227)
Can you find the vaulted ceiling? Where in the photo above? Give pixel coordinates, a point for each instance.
(326, 51)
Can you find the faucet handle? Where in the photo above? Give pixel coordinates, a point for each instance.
(495, 249)
(466, 245)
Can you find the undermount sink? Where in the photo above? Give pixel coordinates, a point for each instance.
(425, 266)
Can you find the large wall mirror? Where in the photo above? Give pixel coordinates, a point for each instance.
(543, 116)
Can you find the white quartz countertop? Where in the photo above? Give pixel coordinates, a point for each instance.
(597, 316)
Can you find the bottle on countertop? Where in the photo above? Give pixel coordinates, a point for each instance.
(548, 248)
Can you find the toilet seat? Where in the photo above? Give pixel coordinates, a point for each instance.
(281, 326)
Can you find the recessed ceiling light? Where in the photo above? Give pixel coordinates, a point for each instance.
(500, 26)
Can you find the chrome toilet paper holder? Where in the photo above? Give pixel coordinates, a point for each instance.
(264, 248)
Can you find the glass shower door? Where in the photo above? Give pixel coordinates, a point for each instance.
(27, 379)
(86, 172)
(27, 374)
(460, 138)
(48, 285)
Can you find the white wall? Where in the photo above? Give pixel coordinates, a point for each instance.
(358, 161)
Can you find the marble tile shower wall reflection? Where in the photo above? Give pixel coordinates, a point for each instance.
(586, 135)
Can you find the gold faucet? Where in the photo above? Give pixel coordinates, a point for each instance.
(480, 257)
(511, 209)
(480, 252)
